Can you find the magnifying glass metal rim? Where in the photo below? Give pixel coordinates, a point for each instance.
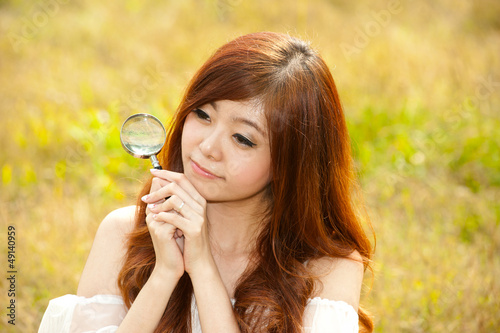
(147, 115)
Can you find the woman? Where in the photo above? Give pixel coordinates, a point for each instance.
(250, 227)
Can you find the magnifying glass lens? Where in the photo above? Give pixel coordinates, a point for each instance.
(143, 136)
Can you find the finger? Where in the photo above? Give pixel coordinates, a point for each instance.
(172, 203)
(159, 202)
(183, 182)
(160, 229)
(180, 243)
(175, 205)
(170, 190)
(178, 233)
(152, 222)
(157, 183)
(188, 227)
(149, 218)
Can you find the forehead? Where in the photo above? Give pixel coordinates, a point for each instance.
(249, 108)
(242, 111)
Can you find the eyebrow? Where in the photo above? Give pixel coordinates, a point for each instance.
(249, 123)
(242, 120)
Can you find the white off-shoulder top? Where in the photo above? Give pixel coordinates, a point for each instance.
(104, 313)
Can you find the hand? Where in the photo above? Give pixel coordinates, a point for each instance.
(164, 236)
(184, 209)
(156, 184)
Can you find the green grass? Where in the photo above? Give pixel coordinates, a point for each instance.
(421, 98)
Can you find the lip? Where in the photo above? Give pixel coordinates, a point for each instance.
(202, 171)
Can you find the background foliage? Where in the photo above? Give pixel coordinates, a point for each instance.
(420, 83)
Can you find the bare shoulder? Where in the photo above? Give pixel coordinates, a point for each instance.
(340, 279)
(106, 256)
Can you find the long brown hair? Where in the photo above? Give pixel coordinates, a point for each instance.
(311, 212)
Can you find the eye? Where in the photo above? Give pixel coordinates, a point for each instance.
(201, 114)
(240, 139)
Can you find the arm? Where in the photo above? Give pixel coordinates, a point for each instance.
(214, 305)
(340, 279)
(335, 299)
(213, 302)
(147, 309)
(100, 274)
(101, 271)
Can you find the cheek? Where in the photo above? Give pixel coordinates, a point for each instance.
(250, 172)
(188, 139)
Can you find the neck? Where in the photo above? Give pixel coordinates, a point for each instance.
(234, 226)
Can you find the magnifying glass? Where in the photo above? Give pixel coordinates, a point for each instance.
(143, 136)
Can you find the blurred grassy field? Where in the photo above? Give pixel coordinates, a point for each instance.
(420, 83)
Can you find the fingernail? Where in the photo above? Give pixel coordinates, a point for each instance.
(154, 216)
(145, 198)
(153, 170)
(151, 206)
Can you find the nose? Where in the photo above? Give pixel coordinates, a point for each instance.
(210, 146)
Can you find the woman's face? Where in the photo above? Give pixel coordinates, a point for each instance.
(225, 150)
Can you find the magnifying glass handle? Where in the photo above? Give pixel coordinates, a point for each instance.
(155, 162)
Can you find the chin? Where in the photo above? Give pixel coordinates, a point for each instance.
(207, 189)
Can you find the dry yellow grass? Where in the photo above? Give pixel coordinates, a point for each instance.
(420, 83)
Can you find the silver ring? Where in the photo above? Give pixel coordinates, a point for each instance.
(180, 207)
